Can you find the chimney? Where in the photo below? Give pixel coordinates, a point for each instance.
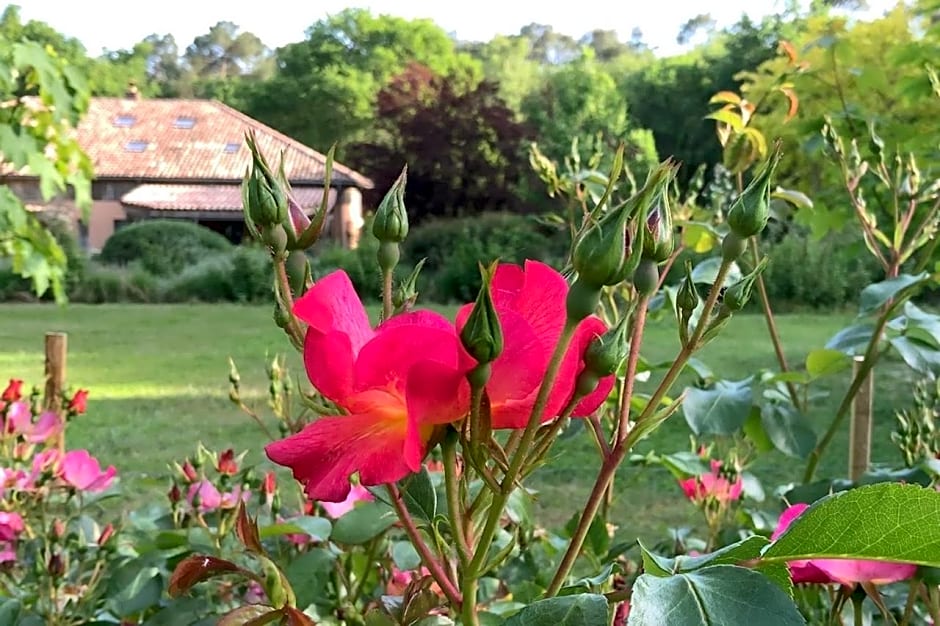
(132, 92)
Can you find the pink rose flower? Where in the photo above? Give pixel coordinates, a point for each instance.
(83, 472)
(338, 509)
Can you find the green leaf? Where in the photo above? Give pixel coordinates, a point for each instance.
(747, 549)
(405, 556)
(134, 587)
(591, 583)
(787, 429)
(826, 361)
(363, 523)
(419, 496)
(729, 117)
(719, 410)
(851, 339)
(919, 356)
(683, 464)
(721, 594)
(317, 528)
(654, 564)
(309, 575)
(754, 430)
(877, 294)
(579, 610)
(885, 521)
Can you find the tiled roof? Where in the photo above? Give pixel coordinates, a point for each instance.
(198, 140)
(209, 197)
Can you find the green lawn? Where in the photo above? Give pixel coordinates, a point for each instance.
(158, 381)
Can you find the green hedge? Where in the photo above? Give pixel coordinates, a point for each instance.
(162, 247)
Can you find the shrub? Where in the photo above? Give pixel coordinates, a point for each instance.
(453, 247)
(162, 247)
(818, 274)
(102, 284)
(243, 274)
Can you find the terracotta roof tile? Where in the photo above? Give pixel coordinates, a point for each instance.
(178, 140)
(209, 197)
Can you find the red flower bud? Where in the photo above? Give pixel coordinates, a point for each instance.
(13, 392)
(227, 464)
(58, 528)
(174, 494)
(269, 484)
(105, 534)
(189, 471)
(78, 403)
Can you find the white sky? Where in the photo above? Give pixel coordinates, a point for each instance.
(115, 24)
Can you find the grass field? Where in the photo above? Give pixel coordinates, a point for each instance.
(158, 381)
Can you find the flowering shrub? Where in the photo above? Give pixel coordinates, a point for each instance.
(382, 539)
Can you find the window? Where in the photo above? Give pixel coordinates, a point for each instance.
(136, 145)
(231, 148)
(185, 122)
(124, 121)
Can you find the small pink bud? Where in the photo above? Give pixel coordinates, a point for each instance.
(13, 392)
(58, 528)
(105, 534)
(227, 464)
(78, 403)
(189, 471)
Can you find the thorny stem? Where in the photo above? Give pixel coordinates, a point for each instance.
(387, 304)
(293, 328)
(495, 510)
(455, 507)
(772, 325)
(620, 448)
(430, 561)
(636, 339)
(911, 601)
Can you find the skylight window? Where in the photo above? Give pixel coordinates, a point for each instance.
(137, 145)
(185, 122)
(124, 121)
(231, 148)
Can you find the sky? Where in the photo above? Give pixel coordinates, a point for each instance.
(111, 24)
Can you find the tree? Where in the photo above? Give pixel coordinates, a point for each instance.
(548, 46)
(582, 100)
(224, 52)
(325, 87)
(507, 61)
(605, 44)
(44, 97)
(462, 145)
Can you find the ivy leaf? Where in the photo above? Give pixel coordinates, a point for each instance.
(720, 594)
(885, 521)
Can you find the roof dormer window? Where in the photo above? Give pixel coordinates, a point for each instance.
(185, 122)
(124, 121)
(231, 147)
(137, 145)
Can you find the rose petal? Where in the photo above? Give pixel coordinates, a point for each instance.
(586, 331)
(387, 358)
(332, 305)
(329, 361)
(326, 453)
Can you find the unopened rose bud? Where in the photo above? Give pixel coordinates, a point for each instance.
(189, 472)
(275, 237)
(732, 247)
(646, 277)
(13, 391)
(738, 294)
(227, 464)
(750, 211)
(659, 242)
(79, 403)
(58, 528)
(265, 195)
(297, 219)
(605, 353)
(687, 297)
(482, 334)
(55, 566)
(174, 494)
(390, 224)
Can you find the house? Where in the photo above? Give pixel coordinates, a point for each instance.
(185, 159)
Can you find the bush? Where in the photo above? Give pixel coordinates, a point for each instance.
(825, 274)
(243, 274)
(162, 247)
(102, 284)
(453, 247)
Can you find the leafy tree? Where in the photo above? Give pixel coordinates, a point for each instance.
(462, 145)
(224, 52)
(548, 46)
(508, 61)
(326, 86)
(44, 97)
(580, 99)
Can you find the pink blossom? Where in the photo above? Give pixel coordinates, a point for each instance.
(11, 525)
(83, 472)
(842, 571)
(338, 509)
(530, 303)
(204, 497)
(230, 499)
(400, 579)
(255, 593)
(397, 383)
(712, 485)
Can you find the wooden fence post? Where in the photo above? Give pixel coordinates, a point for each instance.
(56, 351)
(860, 427)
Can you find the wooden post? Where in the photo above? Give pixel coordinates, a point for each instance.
(860, 428)
(56, 351)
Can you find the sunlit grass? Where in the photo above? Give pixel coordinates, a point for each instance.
(158, 376)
